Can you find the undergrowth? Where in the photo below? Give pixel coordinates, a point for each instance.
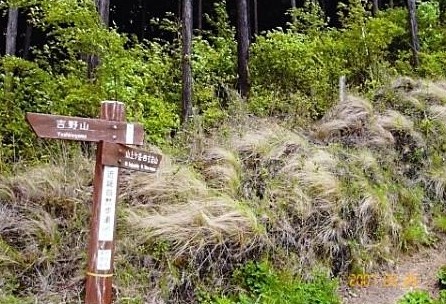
(244, 213)
(250, 197)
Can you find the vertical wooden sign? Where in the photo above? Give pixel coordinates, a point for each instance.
(98, 287)
(112, 134)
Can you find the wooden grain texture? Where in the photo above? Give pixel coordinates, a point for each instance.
(83, 129)
(126, 157)
(98, 286)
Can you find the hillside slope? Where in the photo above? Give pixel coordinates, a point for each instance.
(347, 194)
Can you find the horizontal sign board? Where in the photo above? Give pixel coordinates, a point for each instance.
(122, 156)
(85, 129)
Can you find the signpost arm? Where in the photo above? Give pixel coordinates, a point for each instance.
(98, 289)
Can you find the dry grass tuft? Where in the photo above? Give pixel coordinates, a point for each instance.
(171, 184)
(438, 113)
(222, 170)
(348, 117)
(436, 182)
(48, 182)
(353, 123)
(192, 225)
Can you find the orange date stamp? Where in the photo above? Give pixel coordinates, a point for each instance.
(386, 280)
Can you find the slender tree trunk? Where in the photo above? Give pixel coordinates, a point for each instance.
(187, 21)
(414, 32)
(391, 3)
(28, 33)
(200, 15)
(242, 47)
(256, 17)
(103, 7)
(11, 31)
(375, 7)
(293, 6)
(104, 11)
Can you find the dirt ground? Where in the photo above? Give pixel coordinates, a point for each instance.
(417, 271)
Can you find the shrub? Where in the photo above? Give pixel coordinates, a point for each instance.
(416, 297)
(441, 275)
(262, 284)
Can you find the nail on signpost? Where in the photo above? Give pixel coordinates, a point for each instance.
(112, 134)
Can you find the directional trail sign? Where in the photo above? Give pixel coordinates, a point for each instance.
(112, 135)
(130, 158)
(85, 129)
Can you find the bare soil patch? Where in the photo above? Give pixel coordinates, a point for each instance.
(417, 271)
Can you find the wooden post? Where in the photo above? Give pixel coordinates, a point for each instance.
(112, 135)
(98, 289)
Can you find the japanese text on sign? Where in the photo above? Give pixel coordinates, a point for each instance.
(150, 159)
(108, 204)
(72, 125)
(103, 260)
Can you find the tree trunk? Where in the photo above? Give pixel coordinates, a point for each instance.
(11, 31)
(103, 7)
(242, 47)
(186, 60)
(391, 3)
(200, 15)
(256, 17)
(293, 6)
(375, 7)
(104, 10)
(414, 32)
(28, 33)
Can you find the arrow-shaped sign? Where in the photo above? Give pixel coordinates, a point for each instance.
(122, 156)
(85, 129)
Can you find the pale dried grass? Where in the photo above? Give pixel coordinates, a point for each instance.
(349, 116)
(192, 225)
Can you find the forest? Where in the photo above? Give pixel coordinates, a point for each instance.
(302, 145)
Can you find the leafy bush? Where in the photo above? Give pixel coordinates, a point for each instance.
(440, 222)
(416, 297)
(262, 284)
(441, 275)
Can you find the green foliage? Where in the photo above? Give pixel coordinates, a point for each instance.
(441, 275)
(442, 297)
(416, 297)
(440, 222)
(415, 233)
(14, 300)
(422, 297)
(261, 284)
(310, 58)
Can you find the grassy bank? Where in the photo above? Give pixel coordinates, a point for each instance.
(251, 211)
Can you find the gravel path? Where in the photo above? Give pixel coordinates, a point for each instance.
(417, 271)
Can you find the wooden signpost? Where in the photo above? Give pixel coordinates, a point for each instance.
(112, 135)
